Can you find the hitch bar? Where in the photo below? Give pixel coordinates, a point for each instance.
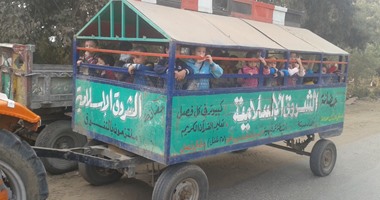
(113, 159)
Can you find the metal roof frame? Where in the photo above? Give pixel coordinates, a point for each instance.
(191, 27)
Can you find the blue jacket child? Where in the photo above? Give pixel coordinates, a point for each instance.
(181, 70)
(204, 66)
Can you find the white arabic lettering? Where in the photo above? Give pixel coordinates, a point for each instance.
(281, 105)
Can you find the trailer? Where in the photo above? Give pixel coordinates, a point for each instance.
(129, 124)
(47, 90)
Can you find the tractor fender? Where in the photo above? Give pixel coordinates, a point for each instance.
(19, 111)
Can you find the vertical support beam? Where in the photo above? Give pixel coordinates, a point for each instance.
(345, 74)
(320, 69)
(343, 70)
(169, 103)
(263, 54)
(75, 57)
(122, 20)
(137, 26)
(340, 65)
(286, 66)
(99, 26)
(112, 20)
(75, 70)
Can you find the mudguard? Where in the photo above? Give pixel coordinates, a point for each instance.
(17, 110)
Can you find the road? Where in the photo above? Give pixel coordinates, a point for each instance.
(265, 173)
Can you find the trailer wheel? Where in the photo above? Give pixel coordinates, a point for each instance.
(21, 170)
(323, 157)
(98, 175)
(181, 181)
(59, 135)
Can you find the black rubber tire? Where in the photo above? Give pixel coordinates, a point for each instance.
(59, 135)
(98, 175)
(174, 177)
(323, 158)
(24, 171)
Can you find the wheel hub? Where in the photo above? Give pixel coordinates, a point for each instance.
(327, 158)
(13, 182)
(188, 189)
(64, 143)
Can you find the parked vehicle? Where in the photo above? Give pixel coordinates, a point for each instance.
(47, 90)
(22, 174)
(131, 124)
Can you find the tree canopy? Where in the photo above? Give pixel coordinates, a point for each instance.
(36, 21)
(351, 24)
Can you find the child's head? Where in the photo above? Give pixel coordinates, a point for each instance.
(272, 61)
(252, 54)
(139, 59)
(223, 63)
(90, 44)
(324, 70)
(105, 59)
(233, 63)
(177, 49)
(119, 76)
(200, 51)
(293, 56)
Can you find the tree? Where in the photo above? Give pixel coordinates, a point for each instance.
(39, 20)
(334, 21)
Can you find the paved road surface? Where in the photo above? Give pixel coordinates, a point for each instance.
(265, 173)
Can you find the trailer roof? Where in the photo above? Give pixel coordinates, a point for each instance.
(196, 27)
(164, 23)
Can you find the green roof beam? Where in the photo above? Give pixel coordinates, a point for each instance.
(146, 19)
(94, 18)
(123, 20)
(112, 21)
(137, 26)
(99, 26)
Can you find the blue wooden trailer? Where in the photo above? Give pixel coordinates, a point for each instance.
(131, 123)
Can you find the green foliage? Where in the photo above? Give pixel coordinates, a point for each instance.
(351, 24)
(37, 20)
(363, 69)
(358, 90)
(376, 92)
(333, 20)
(338, 21)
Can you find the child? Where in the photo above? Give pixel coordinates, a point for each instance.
(228, 68)
(140, 64)
(309, 80)
(252, 68)
(120, 76)
(181, 69)
(295, 69)
(106, 60)
(281, 72)
(88, 57)
(125, 46)
(203, 66)
(272, 66)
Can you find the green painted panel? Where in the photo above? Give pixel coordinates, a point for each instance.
(206, 122)
(6, 85)
(132, 117)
